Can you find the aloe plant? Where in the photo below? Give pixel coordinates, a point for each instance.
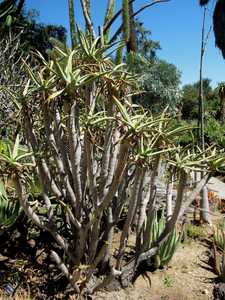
(219, 263)
(9, 210)
(219, 237)
(15, 156)
(94, 154)
(219, 251)
(169, 246)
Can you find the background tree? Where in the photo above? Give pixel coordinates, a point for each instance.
(160, 82)
(214, 128)
(158, 79)
(33, 35)
(189, 101)
(145, 45)
(12, 76)
(17, 37)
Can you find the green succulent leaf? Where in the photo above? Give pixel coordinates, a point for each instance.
(9, 210)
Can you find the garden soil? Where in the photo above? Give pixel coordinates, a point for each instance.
(188, 277)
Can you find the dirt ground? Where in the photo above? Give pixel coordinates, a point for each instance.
(186, 278)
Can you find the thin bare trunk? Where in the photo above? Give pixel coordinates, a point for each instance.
(117, 177)
(73, 33)
(169, 198)
(152, 200)
(142, 217)
(108, 240)
(65, 271)
(19, 185)
(130, 215)
(87, 18)
(204, 216)
(75, 150)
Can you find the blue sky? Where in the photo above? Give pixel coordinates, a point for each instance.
(176, 25)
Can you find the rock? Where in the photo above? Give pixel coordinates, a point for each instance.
(205, 292)
(219, 291)
(3, 258)
(31, 243)
(41, 256)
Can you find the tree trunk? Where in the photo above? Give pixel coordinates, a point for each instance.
(169, 196)
(205, 217)
(72, 23)
(204, 204)
(132, 42)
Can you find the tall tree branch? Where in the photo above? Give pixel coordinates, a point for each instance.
(134, 15)
(87, 18)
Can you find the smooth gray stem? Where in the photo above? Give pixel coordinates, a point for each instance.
(43, 169)
(152, 200)
(169, 197)
(19, 185)
(48, 205)
(130, 214)
(62, 143)
(105, 159)
(64, 270)
(74, 151)
(204, 212)
(115, 148)
(193, 194)
(117, 178)
(87, 18)
(90, 171)
(143, 202)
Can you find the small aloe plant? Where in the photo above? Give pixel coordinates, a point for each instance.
(219, 251)
(9, 210)
(219, 263)
(15, 156)
(219, 237)
(168, 248)
(16, 159)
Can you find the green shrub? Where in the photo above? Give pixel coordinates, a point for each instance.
(196, 232)
(168, 281)
(214, 131)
